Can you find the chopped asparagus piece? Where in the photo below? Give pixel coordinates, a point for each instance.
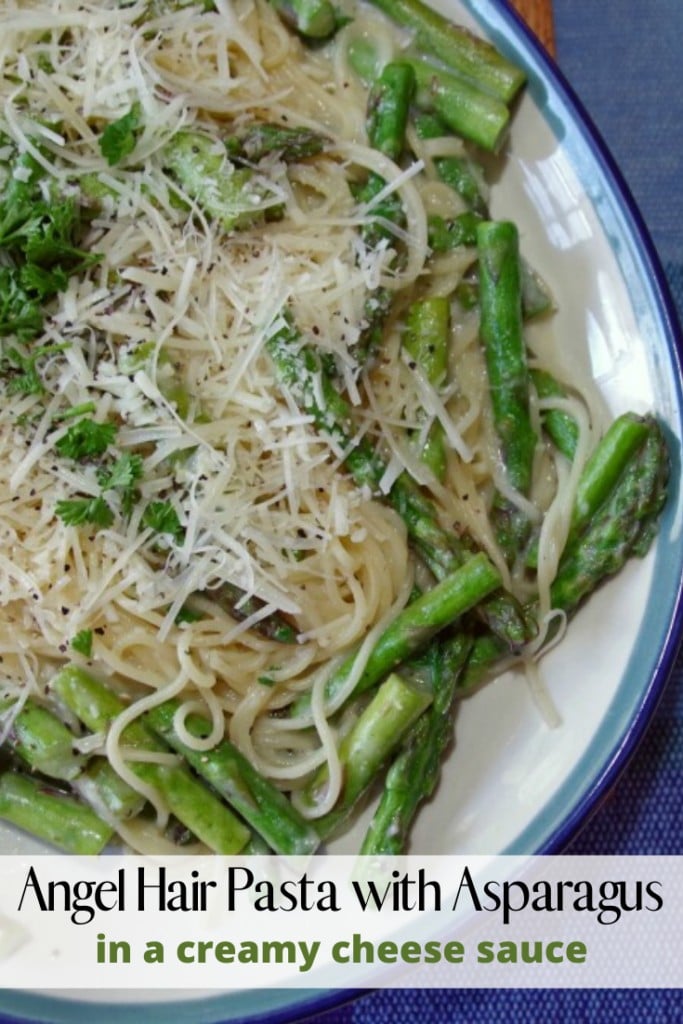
(52, 815)
(187, 798)
(264, 807)
(469, 55)
(412, 777)
(377, 732)
(224, 192)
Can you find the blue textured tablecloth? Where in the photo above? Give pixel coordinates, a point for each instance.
(624, 60)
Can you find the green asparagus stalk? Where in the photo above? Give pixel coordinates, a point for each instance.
(100, 787)
(226, 193)
(52, 815)
(313, 19)
(260, 804)
(469, 113)
(413, 775)
(426, 338)
(187, 798)
(414, 627)
(386, 120)
(459, 172)
(625, 436)
(609, 460)
(388, 107)
(379, 729)
(445, 235)
(560, 427)
(290, 144)
(300, 369)
(508, 373)
(622, 526)
(468, 55)
(501, 333)
(44, 743)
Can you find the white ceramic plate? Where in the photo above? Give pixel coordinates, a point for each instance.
(512, 784)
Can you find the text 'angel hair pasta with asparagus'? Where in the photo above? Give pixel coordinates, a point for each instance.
(283, 476)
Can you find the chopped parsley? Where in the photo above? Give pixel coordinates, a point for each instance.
(163, 518)
(82, 642)
(79, 511)
(122, 476)
(188, 615)
(86, 439)
(39, 237)
(119, 138)
(21, 371)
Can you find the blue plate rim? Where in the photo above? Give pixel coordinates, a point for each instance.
(296, 1005)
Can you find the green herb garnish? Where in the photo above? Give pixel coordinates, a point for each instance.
(82, 642)
(119, 138)
(79, 511)
(86, 439)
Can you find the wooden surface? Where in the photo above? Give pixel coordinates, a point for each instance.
(538, 15)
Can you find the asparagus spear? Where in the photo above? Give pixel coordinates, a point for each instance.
(386, 119)
(264, 807)
(187, 798)
(313, 19)
(414, 627)
(388, 106)
(414, 773)
(444, 235)
(560, 427)
(467, 54)
(470, 113)
(44, 743)
(227, 193)
(300, 368)
(508, 374)
(100, 786)
(625, 436)
(426, 339)
(623, 526)
(397, 704)
(52, 815)
(501, 333)
(459, 172)
(288, 143)
(609, 460)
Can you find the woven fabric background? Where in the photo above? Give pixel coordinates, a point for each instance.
(623, 59)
